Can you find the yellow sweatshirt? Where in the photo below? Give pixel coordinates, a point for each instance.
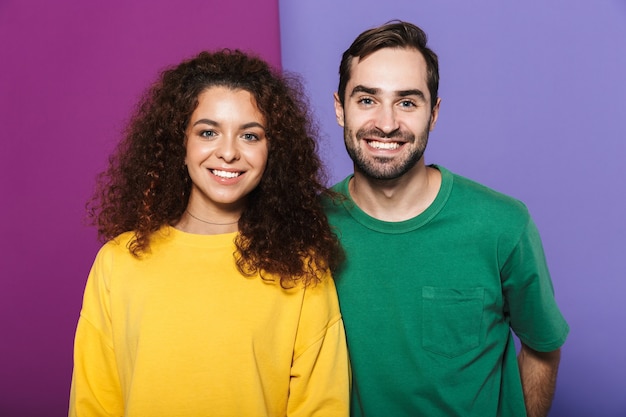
(180, 332)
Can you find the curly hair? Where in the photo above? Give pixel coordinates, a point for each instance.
(283, 230)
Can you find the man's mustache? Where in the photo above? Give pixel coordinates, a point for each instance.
(379, 134)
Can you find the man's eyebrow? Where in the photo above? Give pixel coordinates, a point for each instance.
(363, 89)
(414, 92)
(401, 93)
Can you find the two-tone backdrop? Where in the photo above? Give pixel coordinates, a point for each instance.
(534, 105)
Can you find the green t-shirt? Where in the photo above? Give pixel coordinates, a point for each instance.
(428, 303)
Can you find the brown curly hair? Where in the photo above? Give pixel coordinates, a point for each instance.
(283, 231)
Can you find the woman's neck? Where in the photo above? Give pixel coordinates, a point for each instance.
(197, 223)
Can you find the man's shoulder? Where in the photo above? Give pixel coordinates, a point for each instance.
(337, 193)
(341, 187)
(470, 199)
(477, 193)
(334, 202)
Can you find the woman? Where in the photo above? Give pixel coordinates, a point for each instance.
(213, 295)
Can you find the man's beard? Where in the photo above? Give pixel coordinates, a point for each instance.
(383, 168)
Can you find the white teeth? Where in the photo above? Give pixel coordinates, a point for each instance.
(384, 145)
(225, 174)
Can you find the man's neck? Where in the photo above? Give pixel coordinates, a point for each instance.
(398, 199)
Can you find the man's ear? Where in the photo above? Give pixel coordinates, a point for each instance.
(339, 110)
(434, 114)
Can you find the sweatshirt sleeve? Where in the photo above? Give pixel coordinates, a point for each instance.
(320, 374)
(95, 389)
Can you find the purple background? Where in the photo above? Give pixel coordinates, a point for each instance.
(71, 71)
(534, 105)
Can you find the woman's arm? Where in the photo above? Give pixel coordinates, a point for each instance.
(320, 372)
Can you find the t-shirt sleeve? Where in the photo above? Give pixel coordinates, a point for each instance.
(95, 389)
(529, 294)
(320, 375)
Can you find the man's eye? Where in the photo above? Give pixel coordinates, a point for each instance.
(366, 100)
(407, 103)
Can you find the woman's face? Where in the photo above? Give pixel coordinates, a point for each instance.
(226, 150)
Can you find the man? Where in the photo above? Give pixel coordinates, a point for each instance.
(438, 268)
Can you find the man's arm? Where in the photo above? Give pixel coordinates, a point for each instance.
(538, 371)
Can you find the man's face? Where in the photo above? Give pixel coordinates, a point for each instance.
(387, 113)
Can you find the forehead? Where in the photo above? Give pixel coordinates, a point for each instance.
(217, 94)
(390, 69)
(228, 101)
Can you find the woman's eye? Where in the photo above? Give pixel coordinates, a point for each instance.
(250, 136)
(207, 133)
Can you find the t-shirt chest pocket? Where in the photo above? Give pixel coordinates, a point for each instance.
(451, 319)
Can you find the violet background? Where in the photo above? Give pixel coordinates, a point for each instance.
(534, 105)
